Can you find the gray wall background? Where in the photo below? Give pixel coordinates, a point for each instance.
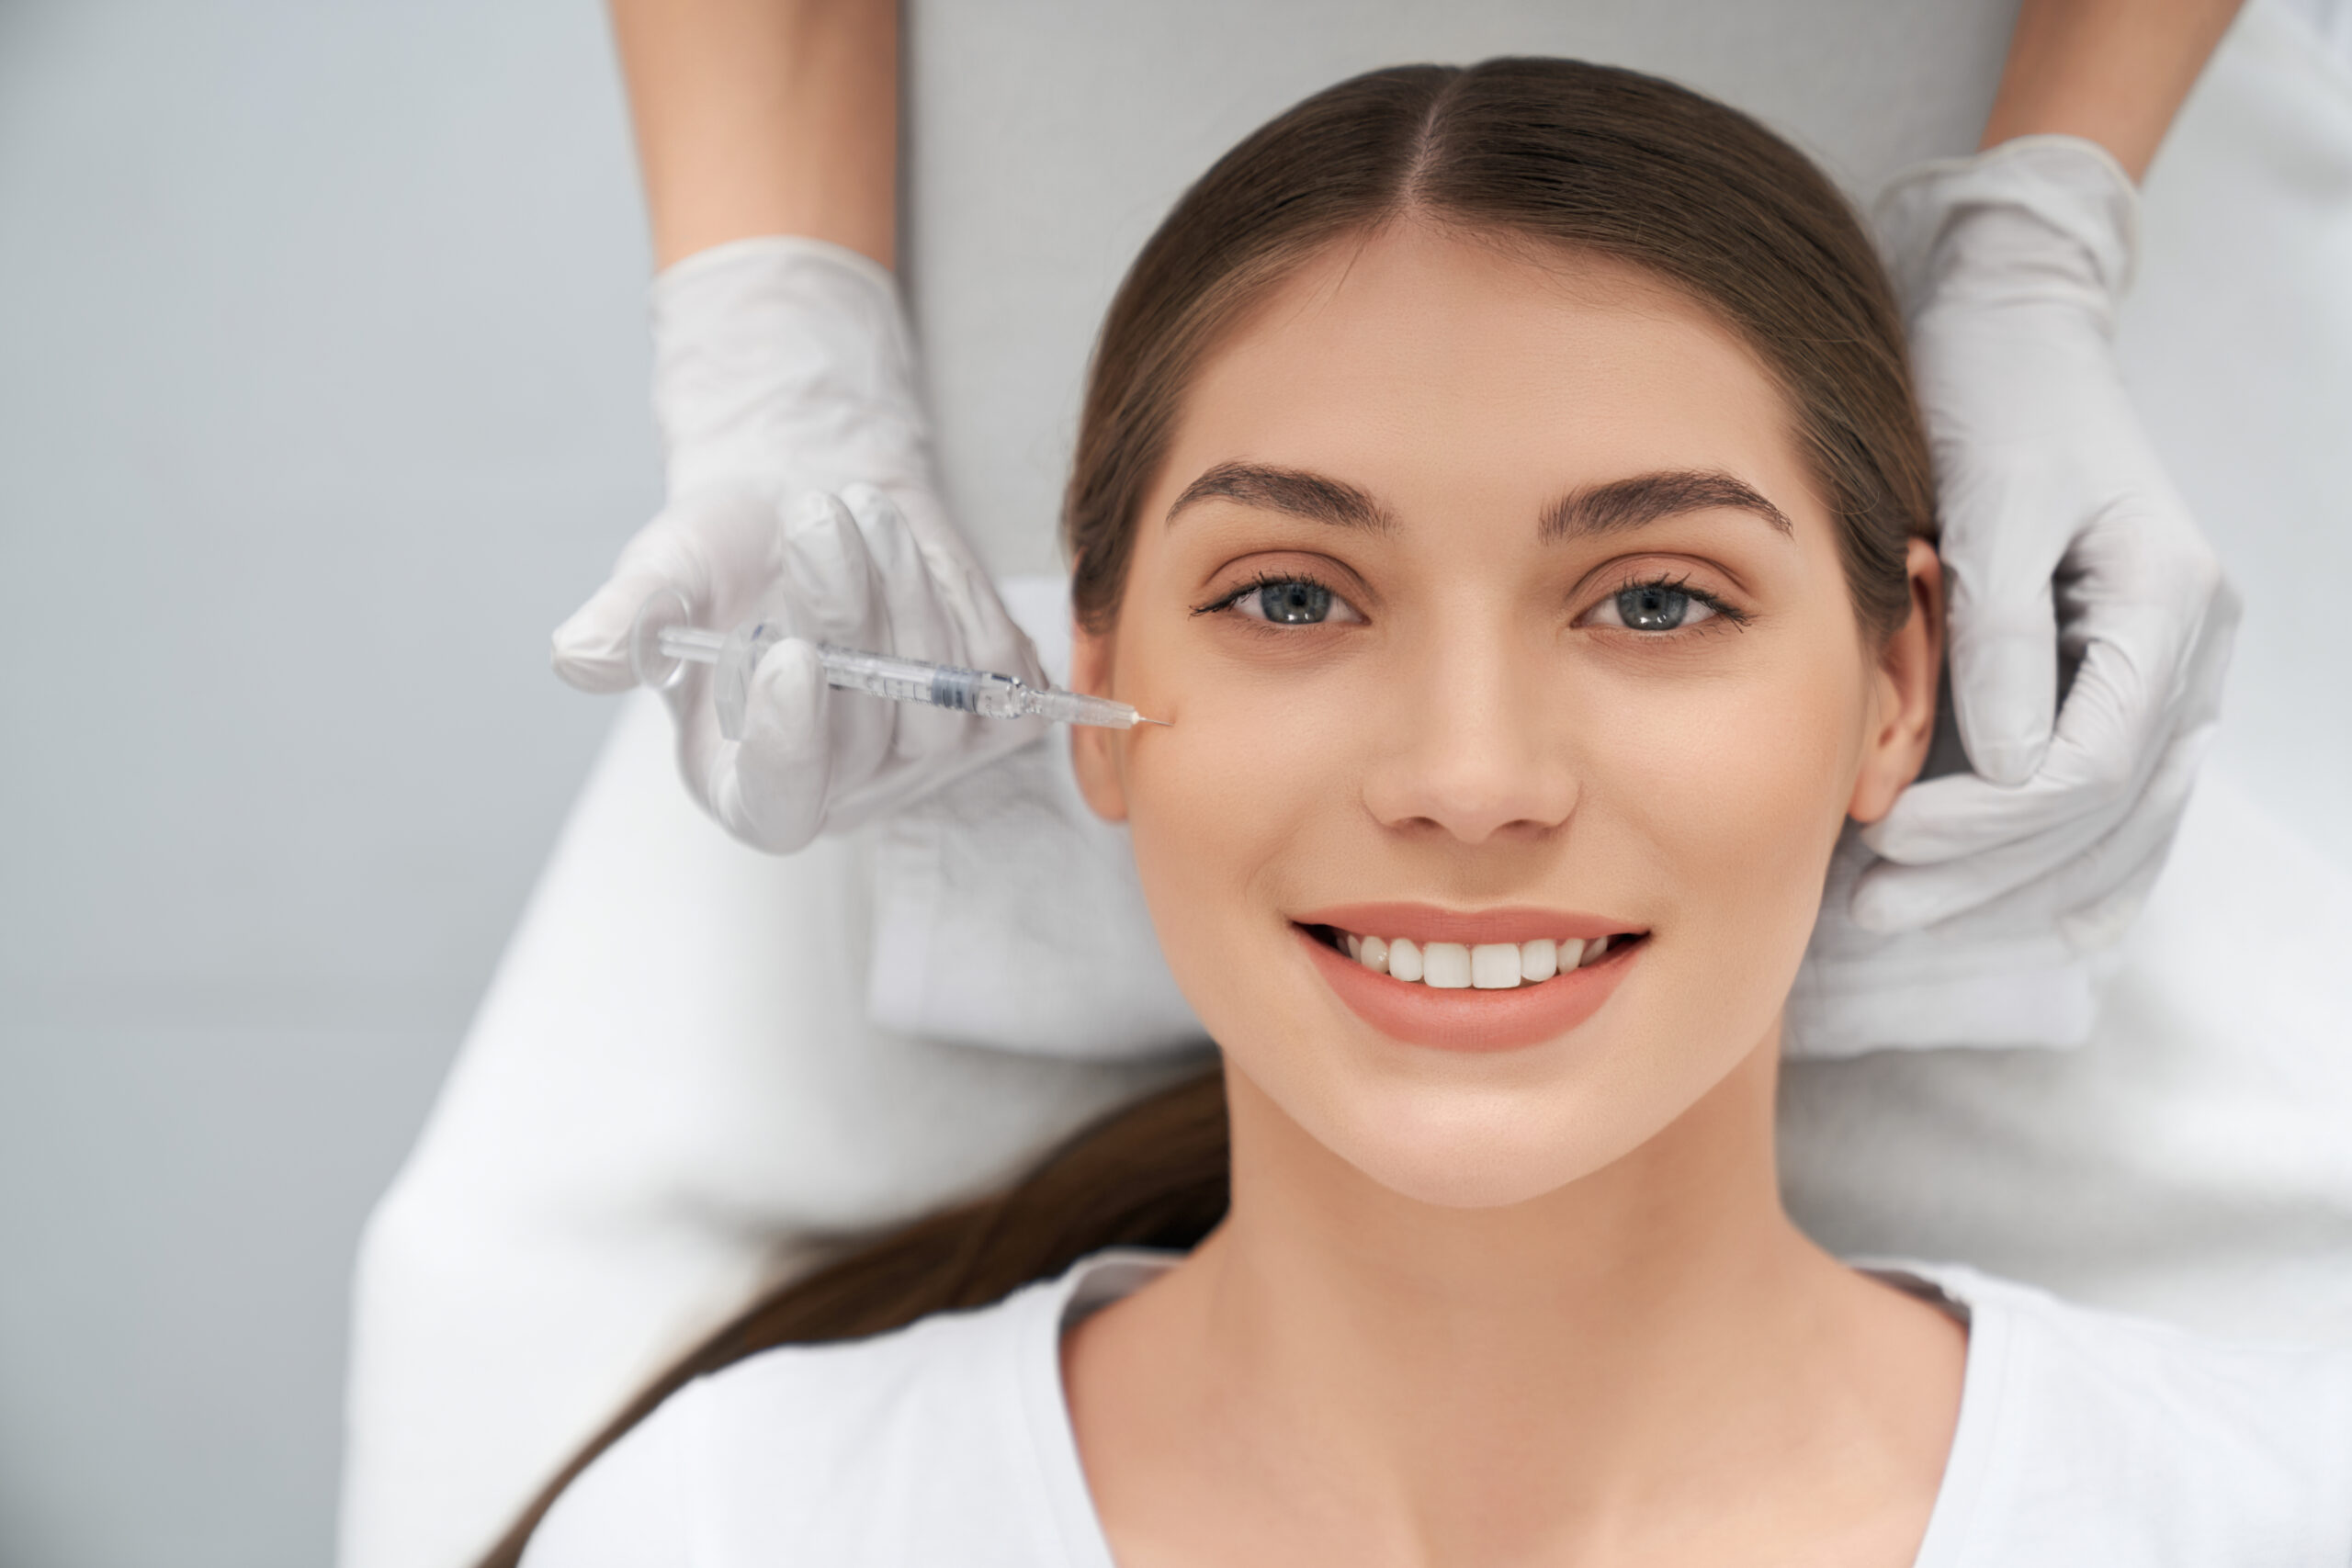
(322, 399)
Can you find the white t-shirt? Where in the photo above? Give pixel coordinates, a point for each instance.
(2084, 1437)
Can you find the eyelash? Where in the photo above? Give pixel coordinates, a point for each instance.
(1730, 613)
(1262, 581)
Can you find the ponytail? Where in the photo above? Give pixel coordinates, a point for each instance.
(1152, 1175)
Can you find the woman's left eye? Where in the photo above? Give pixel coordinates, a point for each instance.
(1654, 607)
(1291, 602)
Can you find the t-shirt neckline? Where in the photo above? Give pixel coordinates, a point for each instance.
(1094, 1282)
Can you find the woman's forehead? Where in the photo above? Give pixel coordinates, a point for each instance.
(1416, 361)
(1466, 309)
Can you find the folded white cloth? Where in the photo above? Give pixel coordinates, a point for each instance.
(2188, 1159)
(1007, 915)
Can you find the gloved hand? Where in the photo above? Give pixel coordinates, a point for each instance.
(799, 459)
(2090, 626)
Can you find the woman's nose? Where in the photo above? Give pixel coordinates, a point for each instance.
(1477, 751)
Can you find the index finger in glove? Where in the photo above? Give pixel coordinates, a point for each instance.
(837, 592)
(771, 788)
(2052, 876)
(833, 575)
(918, 624)
(2004, 661)
(2089, 769)
(957, 595)
(2131, 692)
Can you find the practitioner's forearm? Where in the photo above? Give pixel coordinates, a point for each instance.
(2113, 71)
(764, 116)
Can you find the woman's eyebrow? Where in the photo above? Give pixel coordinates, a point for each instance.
(1315, 497)
(1644, 499)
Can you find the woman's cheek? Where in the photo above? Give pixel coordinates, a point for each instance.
(1740, 787)
(1214, 802)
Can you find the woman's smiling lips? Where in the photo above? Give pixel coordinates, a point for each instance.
(1469, 994)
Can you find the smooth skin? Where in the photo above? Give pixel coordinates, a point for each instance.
(764, 116)
(1538, 1304)
(2113, 71)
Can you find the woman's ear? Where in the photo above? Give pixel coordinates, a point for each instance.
(1903, 718)
(1094, 750)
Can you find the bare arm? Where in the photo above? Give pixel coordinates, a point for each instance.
(764, 116)
(2113, 71)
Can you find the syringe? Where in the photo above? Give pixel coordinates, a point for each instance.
(661, 644)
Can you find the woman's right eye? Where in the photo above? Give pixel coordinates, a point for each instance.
(1291, 602)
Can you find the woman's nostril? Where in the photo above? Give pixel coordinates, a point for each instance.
(1474, 781)
(1473, 811)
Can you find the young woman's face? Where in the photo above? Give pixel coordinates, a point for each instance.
(1494, 607)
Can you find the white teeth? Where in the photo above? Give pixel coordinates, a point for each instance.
(1489, 965)
(1445, 966)
(1494, 965)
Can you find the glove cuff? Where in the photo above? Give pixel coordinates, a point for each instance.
(783, 363)
(2034, 215)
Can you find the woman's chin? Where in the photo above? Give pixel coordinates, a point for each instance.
(1499, 1184)
(1463, 1149)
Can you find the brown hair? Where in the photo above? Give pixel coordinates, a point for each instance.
(1558, 153)
(1563, 155)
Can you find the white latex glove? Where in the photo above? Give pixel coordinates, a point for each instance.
(2071, 566)
(797, 457)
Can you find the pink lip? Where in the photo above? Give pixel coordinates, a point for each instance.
(1427, 923)
(1469, 1020)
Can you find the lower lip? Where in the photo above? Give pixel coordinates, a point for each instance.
(1470, 1020)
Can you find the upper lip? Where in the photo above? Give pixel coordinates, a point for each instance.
(1425, 924)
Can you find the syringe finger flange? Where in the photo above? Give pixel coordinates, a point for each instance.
(649, 658)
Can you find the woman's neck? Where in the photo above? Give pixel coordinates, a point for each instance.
(1638, 1361)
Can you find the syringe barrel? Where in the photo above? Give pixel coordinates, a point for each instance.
(663, 642)
(911, 681)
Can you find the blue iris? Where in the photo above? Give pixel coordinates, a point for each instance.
(1294, 603)
(1653, 607)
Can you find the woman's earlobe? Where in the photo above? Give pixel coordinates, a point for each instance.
(1093, 751)
(1910, 670)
